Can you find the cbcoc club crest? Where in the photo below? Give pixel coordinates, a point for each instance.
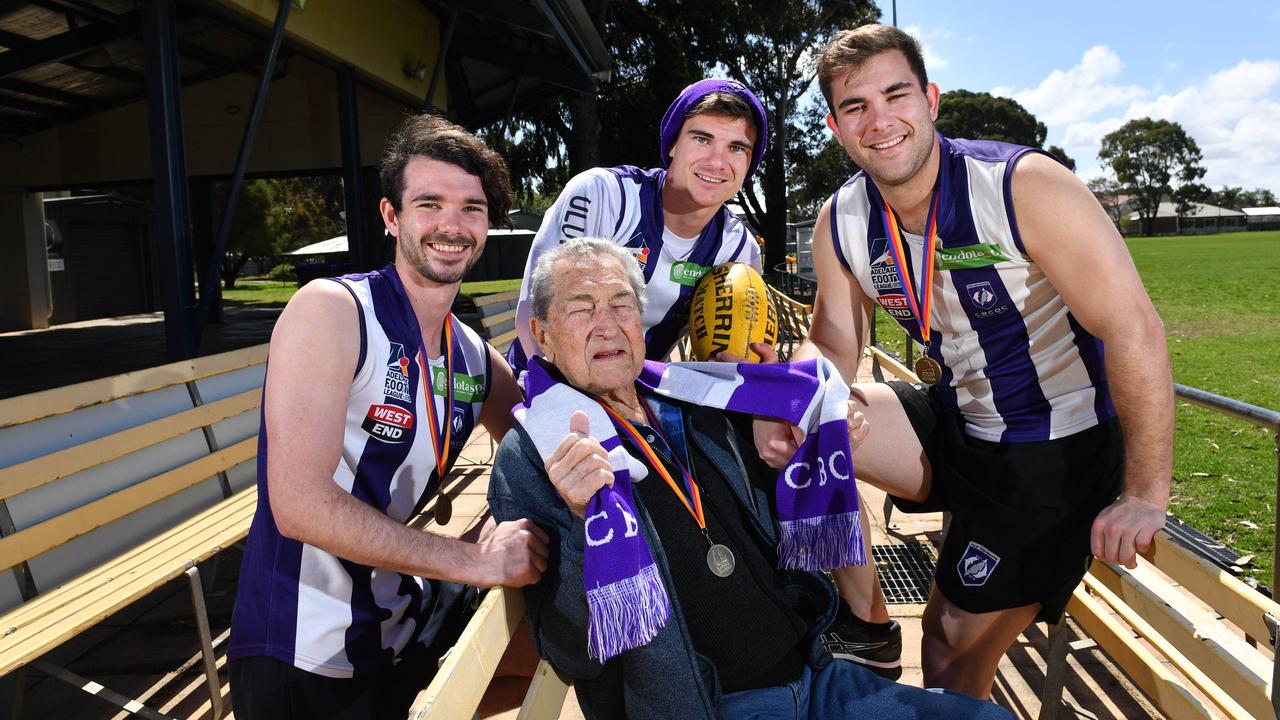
(976, 565)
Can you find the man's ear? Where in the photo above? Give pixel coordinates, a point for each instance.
(388, 212)
(539, 330)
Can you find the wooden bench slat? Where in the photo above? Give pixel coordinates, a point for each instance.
(500, 342)
(38, 471)
(1162, 645)
(458, 686)
(546, 695)
(1237, 668)
(57, 401)
(1143, 668)
(482, 300)
(1242, 605)
(209, 526)
(495, 320)
(37, 539)
(28, 633)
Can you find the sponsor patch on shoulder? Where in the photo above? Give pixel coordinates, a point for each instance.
(388, 423)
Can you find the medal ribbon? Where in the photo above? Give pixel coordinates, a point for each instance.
(918, 301)
(439, 435)
(690, 498)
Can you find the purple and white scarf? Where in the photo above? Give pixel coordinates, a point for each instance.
(815, 494)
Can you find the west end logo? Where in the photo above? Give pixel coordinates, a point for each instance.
(389, 423)
(396, 384)
(976, 565)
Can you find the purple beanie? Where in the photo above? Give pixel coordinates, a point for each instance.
(673, 119)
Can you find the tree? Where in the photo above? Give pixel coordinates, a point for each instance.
(253, 232)
(1148, 157)
(1062, 156)
(1237, 197)
(1260, 197)
(983, 116)
(659, 47)
(1110, 195)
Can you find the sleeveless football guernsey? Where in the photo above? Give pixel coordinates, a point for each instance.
(323, 614)
(1016, 364)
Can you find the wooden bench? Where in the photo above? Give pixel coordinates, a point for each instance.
(1197, 641)
(794, 318)
(113, 487)
(494, 317)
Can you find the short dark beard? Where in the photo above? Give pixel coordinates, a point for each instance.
(418, 260)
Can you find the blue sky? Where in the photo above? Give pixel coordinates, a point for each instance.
(1086, 67)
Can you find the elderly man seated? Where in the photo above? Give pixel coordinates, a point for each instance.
(664, 595)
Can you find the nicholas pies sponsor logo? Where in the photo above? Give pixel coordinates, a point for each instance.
(389, 423)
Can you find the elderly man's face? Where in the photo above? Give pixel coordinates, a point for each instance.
(593, 333)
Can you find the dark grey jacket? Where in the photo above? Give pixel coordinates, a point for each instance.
(665, 678)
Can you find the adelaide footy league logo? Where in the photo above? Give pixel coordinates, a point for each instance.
(389, 423)
(976, 565)
(639, 249)
(396, 384)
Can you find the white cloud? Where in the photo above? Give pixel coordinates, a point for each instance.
(1231, 114)
(1075, 94)
(930, 39)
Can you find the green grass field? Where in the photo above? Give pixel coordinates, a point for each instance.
(1219, 300)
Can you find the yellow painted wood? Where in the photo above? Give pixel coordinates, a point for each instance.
(50, 619)
(500, 342)
(1239, 603)
(1143, 668)
(459, 685)
(1166, 648)
(39, 471)
(546, 695)
(892, 365)
(482, 300)
(1233, 664)
(30, 542)
(56, 401)
(495, 320)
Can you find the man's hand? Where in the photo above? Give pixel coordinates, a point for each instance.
(766, 352)
(579, 466)
(514, 554)
(859, 428)
(1124, 528)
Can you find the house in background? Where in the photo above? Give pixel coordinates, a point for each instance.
(1262, 218)
(1203, 218)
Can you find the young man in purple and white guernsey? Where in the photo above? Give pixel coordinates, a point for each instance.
(673, 219)
(371, 392)
(997, 259)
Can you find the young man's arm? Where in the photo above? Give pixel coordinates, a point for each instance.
(841, 317)
(313, 355)
(504, 394)
(1068, 234)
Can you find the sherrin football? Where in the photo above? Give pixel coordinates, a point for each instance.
(731, 309)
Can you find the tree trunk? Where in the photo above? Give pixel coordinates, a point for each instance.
(774, 184)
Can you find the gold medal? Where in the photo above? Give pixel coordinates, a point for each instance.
(720, 560)
(928, 370)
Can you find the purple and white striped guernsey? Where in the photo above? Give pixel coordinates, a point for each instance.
(1016, 364)
(303, 606)
(625, 203)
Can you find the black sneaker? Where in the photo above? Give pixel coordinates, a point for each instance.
(879, 649)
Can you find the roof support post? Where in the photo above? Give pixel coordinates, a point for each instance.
(209, 283)
(352, 177)
(444, 53)
(169, 170)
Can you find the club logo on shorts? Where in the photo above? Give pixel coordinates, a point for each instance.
(976, 565)
(389, 423)
(396, 384)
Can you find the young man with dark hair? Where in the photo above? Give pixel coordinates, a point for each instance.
(1000, 262)
(372, 390)
(673, 219)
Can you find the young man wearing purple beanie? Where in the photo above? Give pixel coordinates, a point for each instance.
(672, 219)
